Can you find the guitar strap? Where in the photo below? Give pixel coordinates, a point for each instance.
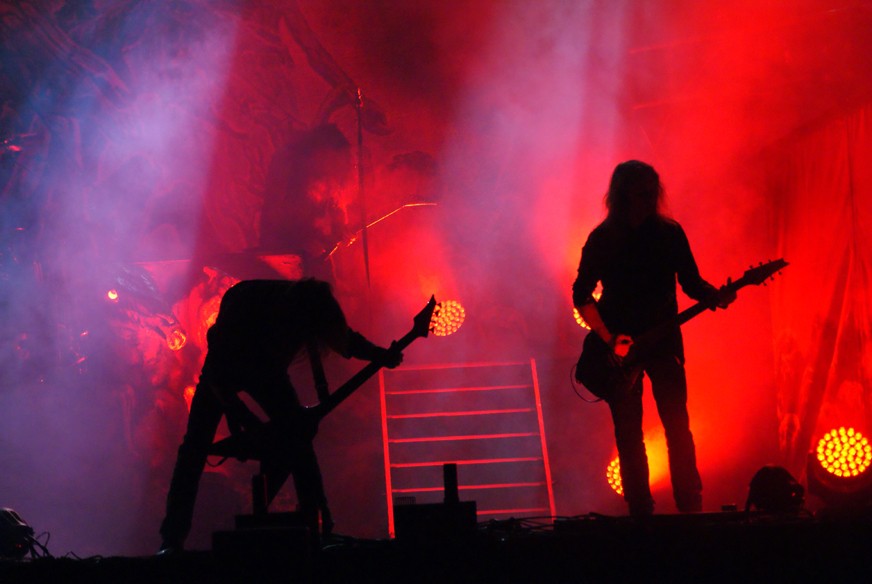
(318, 375)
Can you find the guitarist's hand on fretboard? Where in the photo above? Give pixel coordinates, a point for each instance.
(721, 297)
(726, 294)
(391, 357)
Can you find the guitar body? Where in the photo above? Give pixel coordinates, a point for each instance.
(603, 373)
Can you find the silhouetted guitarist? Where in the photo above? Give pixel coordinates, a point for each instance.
(261, 326)
(637, 253)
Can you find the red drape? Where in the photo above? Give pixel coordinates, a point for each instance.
(822, 201)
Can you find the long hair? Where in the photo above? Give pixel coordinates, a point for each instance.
(321, 320)
(634, 184)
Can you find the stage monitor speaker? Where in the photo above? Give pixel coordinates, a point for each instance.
(270, 539)
(435, 521)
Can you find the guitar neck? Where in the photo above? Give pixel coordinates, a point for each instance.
(700, 307)
(346, 389)
(359, 378)
(689, 313)
(682, 317)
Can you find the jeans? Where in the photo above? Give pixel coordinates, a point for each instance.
(669, 386)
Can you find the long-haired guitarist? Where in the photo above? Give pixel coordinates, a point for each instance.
(261, 326)
(637, 253)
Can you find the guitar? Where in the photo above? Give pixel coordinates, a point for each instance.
(607, 375)
(257, 444)
(423, 323)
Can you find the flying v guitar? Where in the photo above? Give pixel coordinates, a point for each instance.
(257, 445)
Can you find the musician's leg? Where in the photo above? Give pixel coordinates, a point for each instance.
(627, 416)
(309, 486)
(280, 403)
(298, 459)
(278, 400)
(669, 385)
(202, 424)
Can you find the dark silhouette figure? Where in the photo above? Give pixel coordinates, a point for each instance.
(261, 326)
(301, 210)
(637, 253)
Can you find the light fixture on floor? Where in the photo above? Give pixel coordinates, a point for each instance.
(774, 490)
(16, 536)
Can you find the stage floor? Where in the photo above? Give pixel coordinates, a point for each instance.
(717, 547)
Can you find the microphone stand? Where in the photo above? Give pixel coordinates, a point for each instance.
(361, 196)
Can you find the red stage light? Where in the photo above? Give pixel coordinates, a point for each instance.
(837, 471)
(577, 315)
(844, 452)
(613, 475)
(447, 317)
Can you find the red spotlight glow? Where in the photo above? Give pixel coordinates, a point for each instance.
(613, 475)
(112, 295)
(844, 452)
(189, 395)
(658, 463)
(176, 339)
(447, 317)
(210, 319)
(577, 315)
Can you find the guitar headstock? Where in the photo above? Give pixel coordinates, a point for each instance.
(759, 274)
(421, 326)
